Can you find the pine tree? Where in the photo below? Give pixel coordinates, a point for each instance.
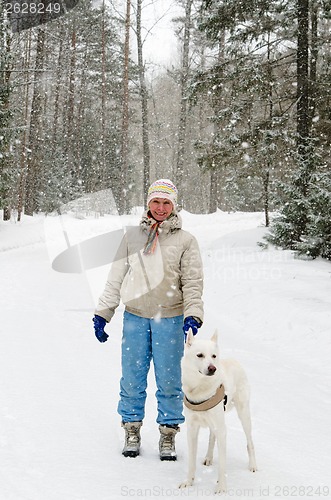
(254, 97)
(317, 240)
(303, 223)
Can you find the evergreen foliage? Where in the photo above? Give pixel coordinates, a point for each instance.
(303, 223)
(265, 77)
(227, 118)
(76, 144)
(317, 241)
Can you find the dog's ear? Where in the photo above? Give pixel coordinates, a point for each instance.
(215, 337)
(189, 338)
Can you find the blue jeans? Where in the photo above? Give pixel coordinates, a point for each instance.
(145, 339)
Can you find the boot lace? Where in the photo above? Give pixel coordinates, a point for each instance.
(167, 442)
(132, 436)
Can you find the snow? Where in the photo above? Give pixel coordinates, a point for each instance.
(60, 434)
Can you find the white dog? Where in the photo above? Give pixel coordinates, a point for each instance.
(218, 385)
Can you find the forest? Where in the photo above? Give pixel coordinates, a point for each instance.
(240, 120)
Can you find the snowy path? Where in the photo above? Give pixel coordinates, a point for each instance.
(60, 435)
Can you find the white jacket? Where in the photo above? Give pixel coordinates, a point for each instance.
(165, 284)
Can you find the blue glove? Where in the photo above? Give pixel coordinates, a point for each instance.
(99, 325)
(193, 323)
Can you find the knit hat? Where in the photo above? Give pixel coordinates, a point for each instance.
(162, 188)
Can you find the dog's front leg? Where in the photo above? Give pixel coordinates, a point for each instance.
(209, 457)
(221, 446)
(192, 441)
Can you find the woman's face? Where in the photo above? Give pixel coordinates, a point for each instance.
(160, 208)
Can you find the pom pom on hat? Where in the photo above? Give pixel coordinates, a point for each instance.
(162, 188)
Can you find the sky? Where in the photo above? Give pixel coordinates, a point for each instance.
(160, 45)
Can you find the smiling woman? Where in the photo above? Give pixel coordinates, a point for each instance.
(158, 276)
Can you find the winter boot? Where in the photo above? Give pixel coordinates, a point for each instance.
(132, 439)
(167, 442)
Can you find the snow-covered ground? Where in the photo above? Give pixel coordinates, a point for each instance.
(60, 434)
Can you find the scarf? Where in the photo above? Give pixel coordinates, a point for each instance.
(152, 227)
(152, 239)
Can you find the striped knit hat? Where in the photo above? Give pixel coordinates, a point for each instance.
(163, 188)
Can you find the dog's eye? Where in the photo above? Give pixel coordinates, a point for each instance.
(214, 356)
(200, 355)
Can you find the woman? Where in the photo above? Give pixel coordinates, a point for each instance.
(158, 275)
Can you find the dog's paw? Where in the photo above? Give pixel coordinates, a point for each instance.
(186, 484)
(252, 464)
(208, 461)
(220, 488)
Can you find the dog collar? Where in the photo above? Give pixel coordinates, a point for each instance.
(208, 403)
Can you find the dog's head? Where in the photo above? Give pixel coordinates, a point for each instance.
(202, 354)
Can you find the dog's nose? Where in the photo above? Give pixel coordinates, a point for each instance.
(211, 369)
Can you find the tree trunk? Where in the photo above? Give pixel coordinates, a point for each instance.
(90, 182)
(303, 78)
(217, 105)
(125, 117)
(103, 97)
(213, 194)
(23, 155)
(35, 132)
(70, 118)
(144, 104)
(303, 122)
(183, 103)
(266, 178)
(59, 71)
(266, 173)
(313, 60)
(5, 113)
